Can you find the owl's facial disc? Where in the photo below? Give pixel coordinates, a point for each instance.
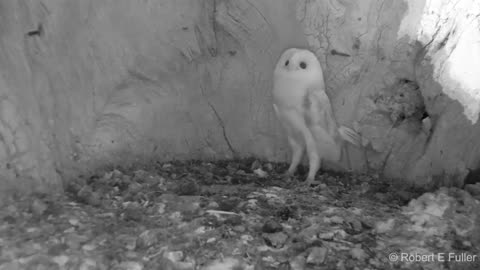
(297, 63)
(301, 62)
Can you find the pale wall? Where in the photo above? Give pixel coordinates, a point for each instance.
(115, 81)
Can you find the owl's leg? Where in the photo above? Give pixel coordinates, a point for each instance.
(299, 127)
(297, 152)
(313, 157)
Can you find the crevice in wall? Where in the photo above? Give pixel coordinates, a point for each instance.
(224, 131)
(401, 101)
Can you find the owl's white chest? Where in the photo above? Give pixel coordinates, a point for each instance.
(289, 93)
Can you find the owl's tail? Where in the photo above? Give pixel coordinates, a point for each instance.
(350, 135)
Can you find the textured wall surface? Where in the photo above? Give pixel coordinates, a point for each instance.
(86, 83)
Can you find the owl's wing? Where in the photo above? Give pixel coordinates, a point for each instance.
(320, 115)
(319, 111)
(319, 118)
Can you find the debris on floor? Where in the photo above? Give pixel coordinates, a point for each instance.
(239, 215)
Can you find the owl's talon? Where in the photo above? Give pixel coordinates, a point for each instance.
(309, 182)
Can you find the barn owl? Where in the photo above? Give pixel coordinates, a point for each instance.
(304, 110)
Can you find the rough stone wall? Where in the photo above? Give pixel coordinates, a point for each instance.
(405, 74)
(446, 67)
(86, 83)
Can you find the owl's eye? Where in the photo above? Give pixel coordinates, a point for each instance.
(286, 63)
(303, 65)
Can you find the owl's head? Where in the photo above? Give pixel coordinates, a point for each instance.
(299, 62)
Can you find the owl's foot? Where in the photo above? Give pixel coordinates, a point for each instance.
(310, 181)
